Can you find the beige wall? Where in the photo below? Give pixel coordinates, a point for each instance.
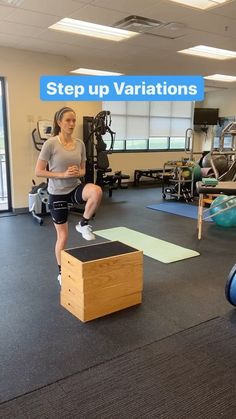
(128, 162)
(225, 100)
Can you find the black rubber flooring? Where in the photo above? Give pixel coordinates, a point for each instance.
(41, 343)
(190, 374)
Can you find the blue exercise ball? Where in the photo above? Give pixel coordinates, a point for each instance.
(228, 217)
(230, 287)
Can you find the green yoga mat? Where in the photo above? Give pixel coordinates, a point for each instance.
(154, 248)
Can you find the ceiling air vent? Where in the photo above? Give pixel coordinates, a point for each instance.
(138, 24)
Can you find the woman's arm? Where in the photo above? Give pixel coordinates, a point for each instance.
(72, 171)
(82, 169)
(41, 170)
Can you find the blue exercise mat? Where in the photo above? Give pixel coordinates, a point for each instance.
(177, 208)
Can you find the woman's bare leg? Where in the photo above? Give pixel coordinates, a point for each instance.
(62, 236)
(92, 195)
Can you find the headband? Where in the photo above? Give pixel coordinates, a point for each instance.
(61, 111)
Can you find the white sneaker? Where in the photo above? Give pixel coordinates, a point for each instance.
(86, 231)
(59, 279)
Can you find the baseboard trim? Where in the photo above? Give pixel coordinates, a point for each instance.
(23, 210)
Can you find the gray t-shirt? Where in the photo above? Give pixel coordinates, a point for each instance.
(59, 160)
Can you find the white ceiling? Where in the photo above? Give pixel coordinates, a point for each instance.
(26, 27)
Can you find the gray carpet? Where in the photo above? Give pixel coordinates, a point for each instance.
(190, 374)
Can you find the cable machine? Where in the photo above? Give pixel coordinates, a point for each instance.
(97, 164)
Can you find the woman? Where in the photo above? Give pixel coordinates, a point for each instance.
(62, 161)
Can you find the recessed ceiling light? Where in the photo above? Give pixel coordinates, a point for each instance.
(201, 4)
(90, 71)
(221, 77)
(210, 52)
(91, 29)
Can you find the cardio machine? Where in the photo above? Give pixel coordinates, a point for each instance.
(38, 196)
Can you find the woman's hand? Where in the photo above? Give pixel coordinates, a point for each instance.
(72, 171)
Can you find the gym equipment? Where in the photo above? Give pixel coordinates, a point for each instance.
(206, 172)
(186, 173)
(205, 161)
(38, 196)
(38, 201)
(209, 181)
(197, 173)
(217, 162)
(230, 286)
(97, 164)
(177, 208)
(220, 166)
(230, 174)
(203, 154)
(190, 143)
(228, 131)
(100, 279)
(155, 174)
(228, 188)
(222, 160)
(178, 180)
(223, 211)
(42, 133)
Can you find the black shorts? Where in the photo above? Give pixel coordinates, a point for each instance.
(58, 204)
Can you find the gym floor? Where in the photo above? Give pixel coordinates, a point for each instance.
(42, 343)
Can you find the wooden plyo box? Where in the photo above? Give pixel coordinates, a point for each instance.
(100, 279)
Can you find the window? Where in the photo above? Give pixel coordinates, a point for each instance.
(158, 143)
(177, 143)
(227, 144)
(149, 126)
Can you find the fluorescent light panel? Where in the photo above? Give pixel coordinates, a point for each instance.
(91, 72)
(201, 4)
(221, 77)
(210, 52)
(91, 29)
